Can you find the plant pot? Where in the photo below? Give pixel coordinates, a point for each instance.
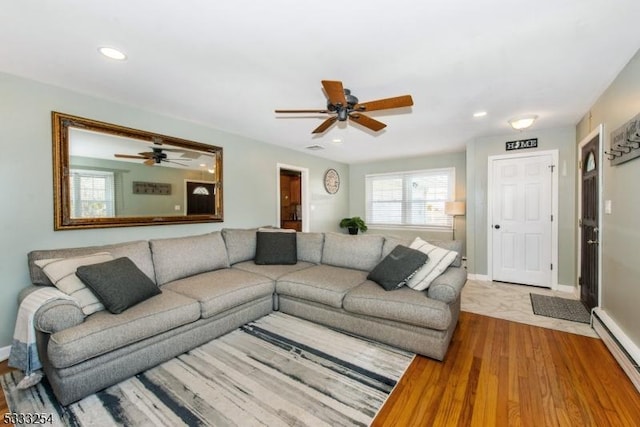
(353, 230)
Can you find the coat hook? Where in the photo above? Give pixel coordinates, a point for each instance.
(611, 156)
(625, 147)
(631, 141)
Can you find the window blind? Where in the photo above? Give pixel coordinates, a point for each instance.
(92, 194)
(413, 198)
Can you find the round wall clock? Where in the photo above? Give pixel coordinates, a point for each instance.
(331, 181)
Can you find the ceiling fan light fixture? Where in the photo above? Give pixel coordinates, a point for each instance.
(112, 53)
(522, 123)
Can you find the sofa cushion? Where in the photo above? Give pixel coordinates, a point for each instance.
(397, 268)
(103, 332)
(62, 273)
(138, 251)
(325, 284)
(438, 261)
(221, 290)
(276, 246)
(391, 242)
(451, 245)
(360, 252)
(310, 247)
(241, 244)
(272, 271)
(180, 257)
(403, 305)
(118, 284)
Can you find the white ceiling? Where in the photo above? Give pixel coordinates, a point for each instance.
(229, 64)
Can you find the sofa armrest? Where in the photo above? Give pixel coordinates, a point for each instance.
(58, 314)
(448, 286)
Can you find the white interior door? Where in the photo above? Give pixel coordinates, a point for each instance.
(521, 220)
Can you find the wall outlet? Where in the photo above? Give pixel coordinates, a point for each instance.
(177, 207)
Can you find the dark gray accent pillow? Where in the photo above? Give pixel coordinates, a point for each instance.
(276, 248)
(397, 268)
(118, 284)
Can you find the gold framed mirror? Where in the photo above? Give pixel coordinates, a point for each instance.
(107, 175)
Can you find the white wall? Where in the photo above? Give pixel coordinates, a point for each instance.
(478, 152)
(620, 234)
(26, 217)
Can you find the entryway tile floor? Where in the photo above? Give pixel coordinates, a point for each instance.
(512, 302)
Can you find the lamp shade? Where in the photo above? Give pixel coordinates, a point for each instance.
(454, 208)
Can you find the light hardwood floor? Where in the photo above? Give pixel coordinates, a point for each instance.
(504, 373)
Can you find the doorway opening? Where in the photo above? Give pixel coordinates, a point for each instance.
(293, 212)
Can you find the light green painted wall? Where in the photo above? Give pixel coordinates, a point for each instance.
(478, 152)
(357, 189)
(26, 218)
(620, 234)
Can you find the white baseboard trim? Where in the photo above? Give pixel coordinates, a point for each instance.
(479, 277)
(4, 353)
(565, 288)
(625, 351)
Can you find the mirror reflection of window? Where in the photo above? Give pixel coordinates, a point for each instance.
(92, 194)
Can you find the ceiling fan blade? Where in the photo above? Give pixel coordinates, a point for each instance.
(367, 122)
(149, 162)
(335, 92)
(383, 104)
(325, 125)
(302, 111)
(128, 156)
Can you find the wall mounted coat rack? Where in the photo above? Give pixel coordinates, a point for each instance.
(624, 144)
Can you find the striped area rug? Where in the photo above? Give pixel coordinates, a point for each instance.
(276, 371)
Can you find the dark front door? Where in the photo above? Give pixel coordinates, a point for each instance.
(590, 245)
(200, 198)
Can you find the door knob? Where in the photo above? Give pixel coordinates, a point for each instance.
(497, 226)
(592, 242)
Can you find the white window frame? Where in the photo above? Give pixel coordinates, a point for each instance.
(76, 192)
(446, 221)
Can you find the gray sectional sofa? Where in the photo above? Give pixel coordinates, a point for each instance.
(211, 285)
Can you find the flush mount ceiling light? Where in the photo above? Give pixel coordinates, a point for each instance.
(522, 123)
(112, 53)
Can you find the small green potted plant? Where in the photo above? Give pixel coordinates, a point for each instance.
(353, 224)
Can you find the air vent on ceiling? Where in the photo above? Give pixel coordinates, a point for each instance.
(315, 147)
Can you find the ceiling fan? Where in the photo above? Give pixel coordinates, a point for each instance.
(154, 157)
(342, 106)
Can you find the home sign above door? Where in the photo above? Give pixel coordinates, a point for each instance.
(521, 143)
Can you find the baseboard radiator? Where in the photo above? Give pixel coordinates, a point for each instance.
(623, 349)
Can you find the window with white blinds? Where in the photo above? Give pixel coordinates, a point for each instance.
(414, 199)
(92, 194)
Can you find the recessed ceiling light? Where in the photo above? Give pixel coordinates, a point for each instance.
(336, 141)
(480, 114)
(112, 53)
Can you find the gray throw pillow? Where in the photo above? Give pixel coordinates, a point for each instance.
(118, 284)
(397, 268)
(276, 248)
